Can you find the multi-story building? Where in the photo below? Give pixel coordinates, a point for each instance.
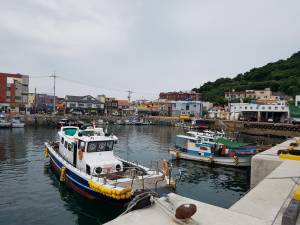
(235, 95)
(180, 96)
(13, 91)
(259, 94)
(297, 100)
(257, 112)
(187, 108)
(83, 104)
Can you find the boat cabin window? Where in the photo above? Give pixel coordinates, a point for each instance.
(66, 144)
(62, 140)
(70, 146)
(100, 146)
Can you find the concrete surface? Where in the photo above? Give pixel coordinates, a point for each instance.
(274, 181)
(206, 214)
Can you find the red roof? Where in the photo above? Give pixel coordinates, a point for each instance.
(123, 102)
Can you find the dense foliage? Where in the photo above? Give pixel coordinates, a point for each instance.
(281, 76)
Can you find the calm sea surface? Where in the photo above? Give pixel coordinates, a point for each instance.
(31, 194)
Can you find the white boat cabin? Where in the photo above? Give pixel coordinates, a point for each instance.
(90, 150)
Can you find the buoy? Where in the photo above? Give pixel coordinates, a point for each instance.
(62, 177)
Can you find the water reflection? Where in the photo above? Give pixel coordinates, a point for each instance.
(221, 186)
(87, 212)
(33, 195)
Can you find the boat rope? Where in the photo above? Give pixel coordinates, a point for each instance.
(138, 199)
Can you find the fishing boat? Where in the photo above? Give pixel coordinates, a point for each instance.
(16, 123)
(214, 148)
(4, 123)
(85, 161)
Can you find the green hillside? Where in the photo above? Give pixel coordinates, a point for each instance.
(281, 76)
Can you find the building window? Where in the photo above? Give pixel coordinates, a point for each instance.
(263, 107)
(81, 105)
(269, 107)
(88, 105)
(251, 107)
(187, 107)
(276, 107)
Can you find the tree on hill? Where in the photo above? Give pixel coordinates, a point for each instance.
(281, 76)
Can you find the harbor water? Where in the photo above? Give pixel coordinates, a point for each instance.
(31, 193)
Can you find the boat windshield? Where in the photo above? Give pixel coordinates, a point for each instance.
(100, 146)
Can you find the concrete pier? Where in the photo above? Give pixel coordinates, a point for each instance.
(273, 182)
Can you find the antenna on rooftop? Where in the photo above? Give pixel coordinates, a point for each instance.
(129, 95)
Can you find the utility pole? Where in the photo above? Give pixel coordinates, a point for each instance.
(129, 95)
(35, 101)
(54, 98)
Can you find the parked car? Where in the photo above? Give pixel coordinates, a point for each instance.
(295, 121)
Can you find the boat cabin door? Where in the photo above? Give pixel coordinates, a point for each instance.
(75, 155)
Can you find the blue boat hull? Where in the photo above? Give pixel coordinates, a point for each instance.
(80, 185)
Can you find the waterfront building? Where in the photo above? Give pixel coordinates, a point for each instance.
(218, 112)
(83, 105)
(235, 95)
(13, 92)
(180, 96)
(187, 108)
(111, 106)
(261, 113)
(297, 100)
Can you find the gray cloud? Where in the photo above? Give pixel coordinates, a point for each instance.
(148, 46)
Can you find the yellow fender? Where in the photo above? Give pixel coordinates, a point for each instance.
(288, 156)
(236, 160)
(46, 153)
(177, 154)
(110, 192)
(62, 177)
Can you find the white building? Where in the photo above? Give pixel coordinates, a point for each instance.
(256, 112)
(187, 108)
(297, 100)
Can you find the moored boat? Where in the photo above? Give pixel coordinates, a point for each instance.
(4, 123)
(214, 148)
(85, 161)
(16, 123)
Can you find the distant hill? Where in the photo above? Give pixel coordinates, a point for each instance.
(281, 76)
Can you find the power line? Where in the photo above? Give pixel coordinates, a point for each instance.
(96, 86)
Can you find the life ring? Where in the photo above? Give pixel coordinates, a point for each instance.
(80, 154)
(165, 168)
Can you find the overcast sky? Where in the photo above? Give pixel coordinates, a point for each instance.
(148, 46)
